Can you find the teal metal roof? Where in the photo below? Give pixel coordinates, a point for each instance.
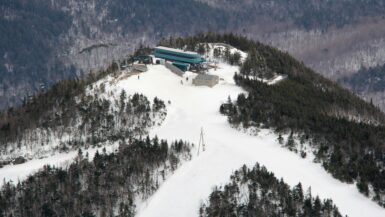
(178, 55)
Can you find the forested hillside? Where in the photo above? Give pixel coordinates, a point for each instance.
(42, 41)
(107, 185)
(30, 38)
(47, 41)
(257, 192)
(312, 15)
(75, 114)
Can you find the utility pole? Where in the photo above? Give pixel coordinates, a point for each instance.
(201, 142)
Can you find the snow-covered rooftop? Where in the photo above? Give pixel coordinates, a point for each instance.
(176, 50)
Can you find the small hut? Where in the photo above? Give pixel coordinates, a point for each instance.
(206, 80)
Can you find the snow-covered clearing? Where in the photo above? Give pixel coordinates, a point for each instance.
(226, 148)
(18, 172)
(15, 173)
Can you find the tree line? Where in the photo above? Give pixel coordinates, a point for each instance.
(257, 192)
(107, 185)
(347, 134)
(67, 117)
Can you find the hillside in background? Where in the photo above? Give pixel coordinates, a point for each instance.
(47, 41)
(312, 15)
(369, 83)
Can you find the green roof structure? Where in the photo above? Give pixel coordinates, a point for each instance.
(176, 55)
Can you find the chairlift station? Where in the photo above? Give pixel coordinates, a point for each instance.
(179, 61)
(184, 60)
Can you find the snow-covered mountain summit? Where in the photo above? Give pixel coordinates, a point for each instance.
(185, 111)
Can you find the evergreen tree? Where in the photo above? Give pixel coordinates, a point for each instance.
(290, 142)
(267, 196)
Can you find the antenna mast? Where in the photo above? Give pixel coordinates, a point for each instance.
(201, 142)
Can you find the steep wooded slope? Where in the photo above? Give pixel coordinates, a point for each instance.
(75, 114)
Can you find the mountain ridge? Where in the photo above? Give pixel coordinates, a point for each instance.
(51, 58)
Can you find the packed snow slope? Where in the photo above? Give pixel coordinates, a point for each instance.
(227, 149)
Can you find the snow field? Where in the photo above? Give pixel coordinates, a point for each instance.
(226, 148)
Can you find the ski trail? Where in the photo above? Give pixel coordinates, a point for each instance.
(226, 149)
